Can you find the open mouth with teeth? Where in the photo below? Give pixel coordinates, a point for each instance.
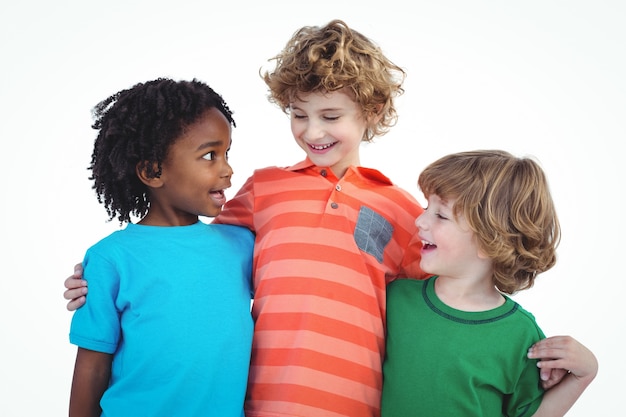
(428, 245)
(320, 148)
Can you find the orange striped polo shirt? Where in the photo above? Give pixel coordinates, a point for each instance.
(325, 249)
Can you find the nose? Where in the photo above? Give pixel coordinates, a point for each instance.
(313, 131)
(420, 221)
(227, 170)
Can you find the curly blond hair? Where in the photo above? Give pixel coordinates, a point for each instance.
(506, 202)
(335, 57)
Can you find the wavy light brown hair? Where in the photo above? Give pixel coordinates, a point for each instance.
(335, 57)
(506, 202)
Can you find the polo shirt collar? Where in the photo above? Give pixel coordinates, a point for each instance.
(362, 172)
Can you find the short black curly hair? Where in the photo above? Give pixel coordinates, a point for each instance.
(140, 124)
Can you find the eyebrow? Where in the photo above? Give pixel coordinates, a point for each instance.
(211, 144)
(294, 107)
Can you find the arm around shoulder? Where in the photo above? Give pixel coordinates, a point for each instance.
(564, 352)
(76, 289)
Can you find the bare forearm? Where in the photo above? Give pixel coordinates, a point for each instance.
(91, 378)
(558, 400)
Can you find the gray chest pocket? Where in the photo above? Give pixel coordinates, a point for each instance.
(372, 233)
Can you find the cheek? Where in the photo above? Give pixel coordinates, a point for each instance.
(350, 133)
(296, 128)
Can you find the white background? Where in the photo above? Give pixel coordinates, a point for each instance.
(540, 77)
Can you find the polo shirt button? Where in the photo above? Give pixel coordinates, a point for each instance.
(334, 205)
(323, 173)
(338, 187)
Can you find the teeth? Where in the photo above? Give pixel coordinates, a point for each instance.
(322, 147)
(425, 242)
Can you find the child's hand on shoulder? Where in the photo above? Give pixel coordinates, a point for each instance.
(560, 355)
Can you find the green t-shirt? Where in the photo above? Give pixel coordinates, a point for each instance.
(450, 363)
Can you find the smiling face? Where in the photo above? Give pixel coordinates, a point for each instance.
(449, 247)
(195, 174)
(329, 127)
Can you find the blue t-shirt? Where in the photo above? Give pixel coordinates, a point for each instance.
(172, 304)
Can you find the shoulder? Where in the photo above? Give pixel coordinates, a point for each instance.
(521, 312)
(376, 180)
(112, 239)
(405, 285)
(266, 180)
(232, 233)
(229, 230)
(263, 177)
(276, 172)
(526, 321)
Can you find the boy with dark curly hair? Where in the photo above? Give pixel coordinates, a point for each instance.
(167, 329)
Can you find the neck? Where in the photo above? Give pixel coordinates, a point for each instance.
(161, 219)
(468, 295)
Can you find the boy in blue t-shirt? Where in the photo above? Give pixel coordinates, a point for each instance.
(167, 330)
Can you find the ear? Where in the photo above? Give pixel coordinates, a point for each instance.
(374, 118)
(480, 252)
(142, 174)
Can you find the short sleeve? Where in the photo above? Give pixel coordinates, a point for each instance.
(96, 325)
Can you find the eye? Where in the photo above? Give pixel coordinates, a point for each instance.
(331, 118)
(441, 216)
(209, 156)
(297, 113)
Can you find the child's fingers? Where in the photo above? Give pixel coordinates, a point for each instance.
(76, 303)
